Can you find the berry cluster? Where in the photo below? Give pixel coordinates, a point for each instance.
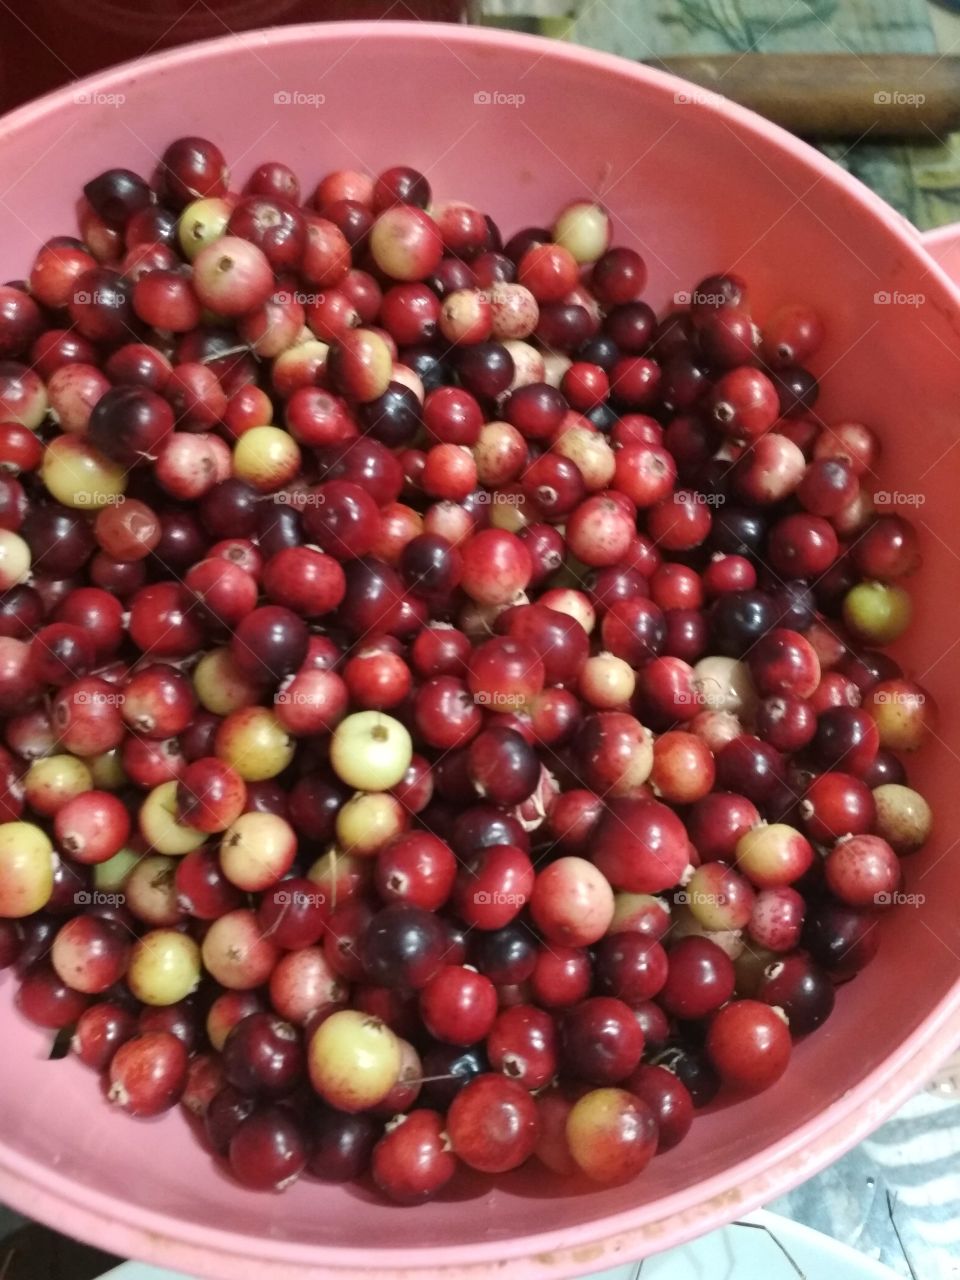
(491, 761)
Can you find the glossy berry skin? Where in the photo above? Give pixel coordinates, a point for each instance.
(801, 989)
(611, 1134)
(418, 868)
(268, 1151)
(99, 1033)
(263, 1056)
(502, 766)
(700, 978)
(572, 903)
(493, 1124)
(404, 946)
(783, 662)
(148, 1073)
(717, 822)
(458, 1006)
(863, 871)
(837, 804)
(92, 827)
(773, 855)
(90, 954)
(631, 966)
(776, 919)
(269, 643)
(668, 1098)
(340, 1145)
(640, 846)
(847, 738)
(45, 999)
(750, 767)
(842, 939)
(493, 886)
(601, 1040)
(749, 1044)
(802, 546)
(523, 1045)
(412, 1162)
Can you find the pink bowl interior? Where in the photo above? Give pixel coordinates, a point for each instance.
(696, 189)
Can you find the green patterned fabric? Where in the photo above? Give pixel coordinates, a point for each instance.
(921, 180)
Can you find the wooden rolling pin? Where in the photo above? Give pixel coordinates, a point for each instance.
(836, 95)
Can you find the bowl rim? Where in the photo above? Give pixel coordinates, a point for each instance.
(604, 1241)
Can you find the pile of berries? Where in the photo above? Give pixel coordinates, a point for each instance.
(444, 709)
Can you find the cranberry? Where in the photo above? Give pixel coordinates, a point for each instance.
(801, 989)
(837, 804)
(631, 966)
(572, 902)
(263, 1056)
(340, 1145)
(840, 938)
(458, 1006)
(601, 1040)
(863, 870)
(90, 954)
(192, 168)
(846, 738)
(99, 1033)
(523, 1045)
(562, 976)
(751, 768)
(226, 1111)
(493, 886)
(92, 827)
(749, 1044)
(148, 1073)
(503, 766)
(783, 662)
(802, 546)
(612, 1135)
(268, 1150)
(669, 1100)
(640, 845)
(403, 946)
(492, 1124)
(700, 978)
(412, 1162)
(269, 643)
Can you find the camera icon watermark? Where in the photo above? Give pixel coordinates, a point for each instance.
(298, 898)
(495, 98)
(694, 97)
(484, 496)
(897, 98)
(91, 498)
(98, 698)
(498, 699)
(92, 98)
(896, 698)
(94, 297)
(300, 498)
(296, 98)
(486, 897)
(690, 698)
(97, 898)
(897, 298)
(693, 497)
(899, 899)
(686, 898)
(698, 298)
(898, 498)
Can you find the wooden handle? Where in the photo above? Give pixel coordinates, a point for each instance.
(836, 95)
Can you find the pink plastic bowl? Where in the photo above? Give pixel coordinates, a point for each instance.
(520, 126)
